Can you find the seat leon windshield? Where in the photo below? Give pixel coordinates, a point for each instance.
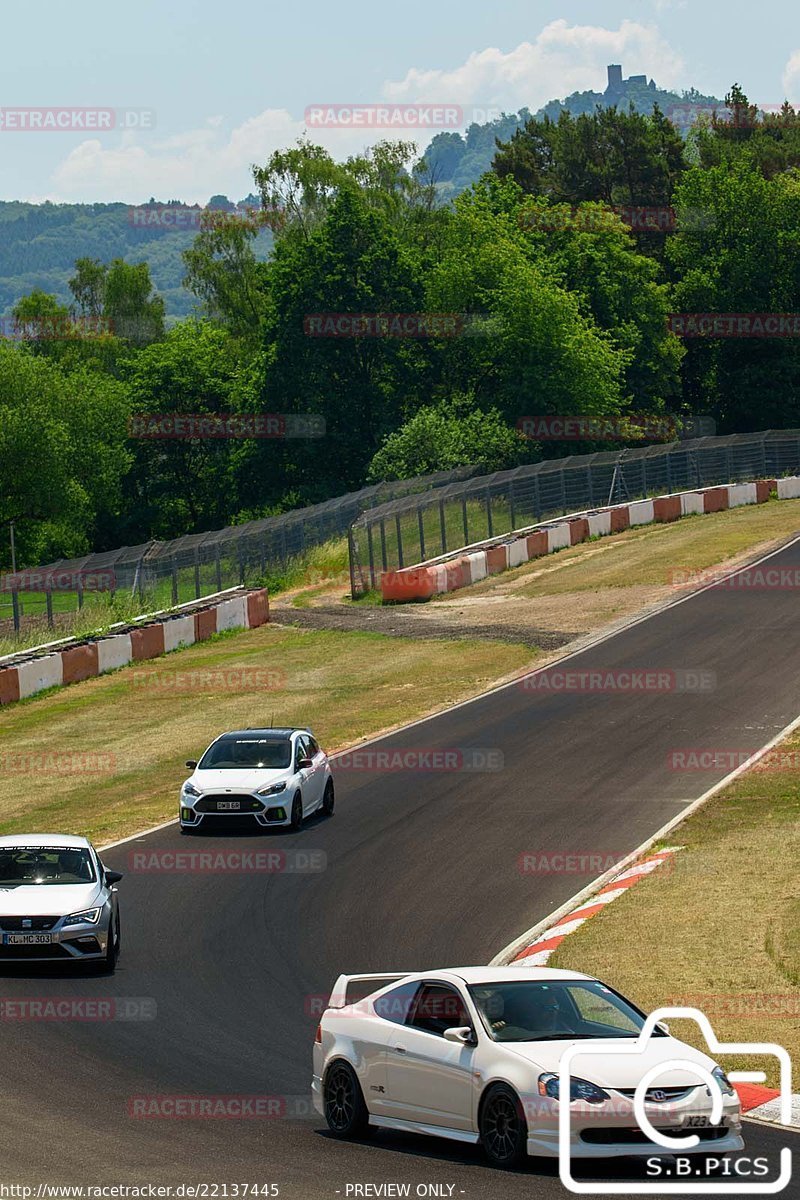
(23, 866)
(247, 754)
(528, 1011)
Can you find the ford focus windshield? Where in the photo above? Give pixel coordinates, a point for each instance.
(21, 866)
(230, 754)
(528, 1011)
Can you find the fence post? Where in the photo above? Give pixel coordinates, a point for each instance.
(590, 482)
(383, 545)
(80, 592)
(466, 519)
(511, 507)
(563, 482)
(240, 553)
(421, 527)
(442, 527)
(15, 608)
(174, 570)
(218, 567)
(351, 555)
(537, 498)
(399, 531)
(196, 573)
(489, 524)
(371, 556)
(48, 599)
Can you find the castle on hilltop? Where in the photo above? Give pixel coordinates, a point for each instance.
(617, 85)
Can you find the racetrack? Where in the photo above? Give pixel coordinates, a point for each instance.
(422, 870)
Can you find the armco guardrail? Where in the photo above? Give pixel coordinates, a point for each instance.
(415, 529)
(473, 563)
(73, 660)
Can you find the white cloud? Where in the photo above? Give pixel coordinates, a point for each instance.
(563, 59)
(791, 79)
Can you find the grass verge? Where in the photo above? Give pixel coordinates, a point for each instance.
(721, 930)
(106, 757)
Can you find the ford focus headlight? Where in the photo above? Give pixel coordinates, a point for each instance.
(190, 790)
(272, 790)
(725, 1085)
(579, 1089)
(89, 916)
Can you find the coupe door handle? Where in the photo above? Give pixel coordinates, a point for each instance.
(400, 1050)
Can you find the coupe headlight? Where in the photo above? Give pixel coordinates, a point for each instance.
(272, 790)
(725, 1085)
(89, 916)
(190, 790)
(579, 1089)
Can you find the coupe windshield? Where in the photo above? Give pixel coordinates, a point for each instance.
(528, 1011)
(231, 754)
(24, 865)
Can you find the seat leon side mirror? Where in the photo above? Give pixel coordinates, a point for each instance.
(462, 1034)
(113, 877)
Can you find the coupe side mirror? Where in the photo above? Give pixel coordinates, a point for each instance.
(113, 877)
(303, 764)
(191, 764)
(663, 1026)
(462, 1034)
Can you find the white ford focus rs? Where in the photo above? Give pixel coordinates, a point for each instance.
(474, 1054)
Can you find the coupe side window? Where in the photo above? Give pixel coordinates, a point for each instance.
(438, 1008)
(397, 1004)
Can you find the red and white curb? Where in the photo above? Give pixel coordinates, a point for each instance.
(758, 1102)
(539, 951)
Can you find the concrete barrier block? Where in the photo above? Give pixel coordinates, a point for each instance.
(620, 518)
(232, 614)
(578, 530)
(205, 624)
(518, 552)
(114, 652)
(477, 566)
(9, 685)
(79, 663)
(40, 673)
(789, 488)
(537, 544)
(257, 608)
(558, 537)
(715, 499)
(599, 524)
(178, 631)
(641, 512)
(440, 579)
(691, 502)
(667, 508)
(763, 489)
(741, 493)
(147, 642)
(496, 559)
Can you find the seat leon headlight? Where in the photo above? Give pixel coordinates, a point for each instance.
(89, 916)
(272, 790)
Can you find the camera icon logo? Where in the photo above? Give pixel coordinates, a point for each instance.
(679, 1139)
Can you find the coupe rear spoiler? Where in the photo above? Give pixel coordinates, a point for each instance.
(349, 989)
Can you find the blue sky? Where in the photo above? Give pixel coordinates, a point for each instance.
(230, 82)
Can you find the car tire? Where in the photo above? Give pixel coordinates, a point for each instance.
(108, 963)
(297, 812)
(328, 799)
(503, 1128)
(346, 1114)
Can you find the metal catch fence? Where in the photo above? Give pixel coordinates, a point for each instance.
(414, 528)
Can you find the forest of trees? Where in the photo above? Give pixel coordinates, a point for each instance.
(530, 293)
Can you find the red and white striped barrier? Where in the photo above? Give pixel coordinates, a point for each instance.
(26, 674)
(450, 572)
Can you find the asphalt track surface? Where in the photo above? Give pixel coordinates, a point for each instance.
(422, 871)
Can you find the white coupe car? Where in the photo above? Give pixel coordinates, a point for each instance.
(473, 1054)
(257, 777)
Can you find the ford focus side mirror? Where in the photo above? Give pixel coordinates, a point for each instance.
(462, 1034)
(113, 877)
(191, 764)
(304, 763)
